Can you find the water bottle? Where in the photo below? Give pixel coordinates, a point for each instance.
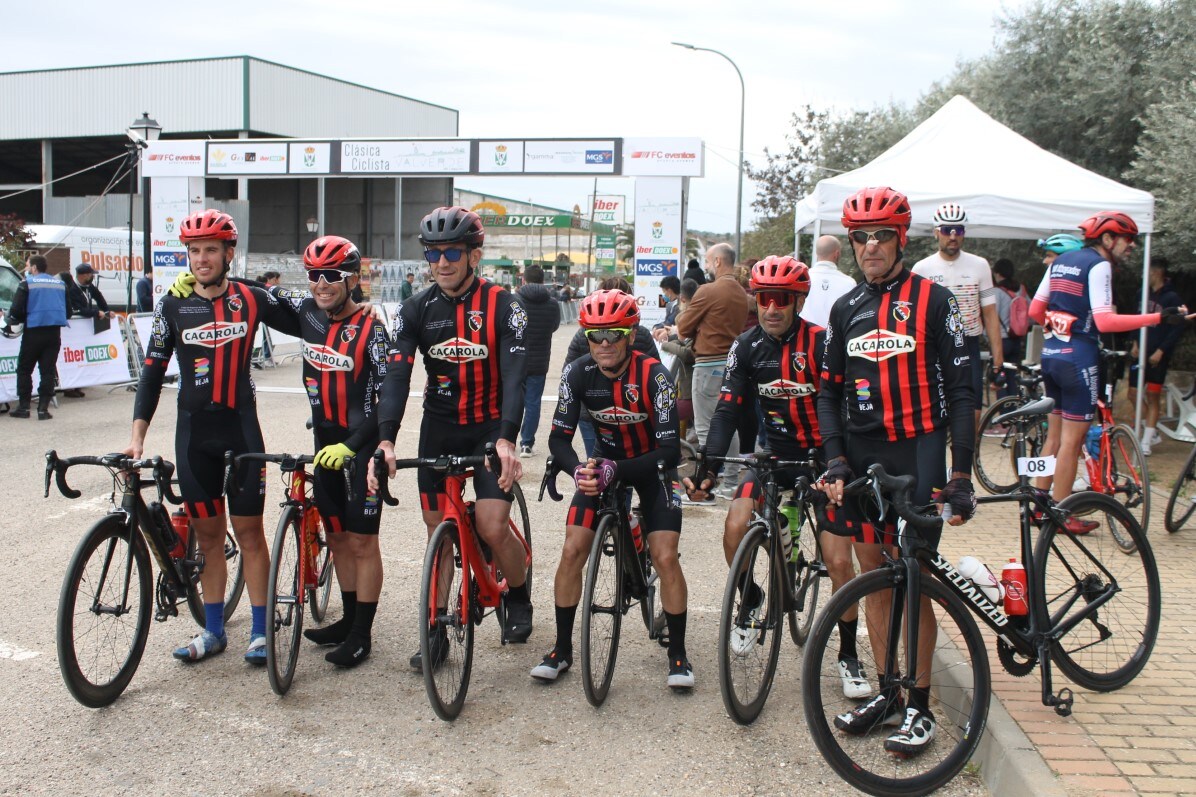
(1092, 441)
(791, 519)
(980, 575)
(637, 535)
(182, 526)
(1013, 578)
(785, 523)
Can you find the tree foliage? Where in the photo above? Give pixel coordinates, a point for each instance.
(15, 240)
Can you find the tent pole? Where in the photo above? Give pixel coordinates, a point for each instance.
(1142, 338)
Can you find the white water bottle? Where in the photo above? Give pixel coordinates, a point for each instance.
(981, 576)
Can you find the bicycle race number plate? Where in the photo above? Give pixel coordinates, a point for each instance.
(1036, 466)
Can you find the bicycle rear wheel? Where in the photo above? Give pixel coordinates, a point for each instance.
(445, 629)
(602, 611)
(317, 596)
(104, 612)
(806, 581)
(995, 460)
(959, 696)
(750, 627)
(234, 586)
(1129, 479)
(284, 601)
(1182, 502)
(1108, 645)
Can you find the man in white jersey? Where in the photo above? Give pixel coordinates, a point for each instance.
(967, 276)
(827, 282)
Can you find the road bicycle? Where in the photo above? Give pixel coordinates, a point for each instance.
(1182, 501)
(619, 575)
(995, 466)
(460, 581)
(104, 606)
(1092, 610)
(785, 566)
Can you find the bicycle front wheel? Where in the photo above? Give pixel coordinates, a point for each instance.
(1107, 601)
(750, 628)
(317, 596)
(1182, 502)
(806, 581)
(1128, 478)
(104, 612)
(521, 524)
(602, 611)
(284, 601)
(995, 463)
(234, 586)
(958, 674)
(445, 628)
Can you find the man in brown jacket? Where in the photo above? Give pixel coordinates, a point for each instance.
(712, 321)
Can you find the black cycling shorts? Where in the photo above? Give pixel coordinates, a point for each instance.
(364, 514)
(437, 437)
(200, 440)
(659, 508)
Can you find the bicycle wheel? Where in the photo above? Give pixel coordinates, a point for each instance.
(1109, 645)
(959, 696)
(749, 633)
(522, 524)
(806, 574)
(1182, 502)
(317, 596)
(445, 630)
(1128, 478)
(104, 612)
(995, 465)
(234, 585)
(284, 601)
(602, 611)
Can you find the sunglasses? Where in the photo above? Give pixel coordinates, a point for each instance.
(451, 255)
(781, 299)
(330, 275)
(612, 336)
(954, 229)
(880, 236)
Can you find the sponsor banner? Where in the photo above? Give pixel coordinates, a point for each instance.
(500, 157)
(170, 203)
(561, 221)
(84, 359)
(673, 157)
(658, 240)
(254, 157)
(173, 159)
(608, 208)
(142, 325)
(309, 158)
(404, 157)
(585, 157)
(655, 267)
(605, 254)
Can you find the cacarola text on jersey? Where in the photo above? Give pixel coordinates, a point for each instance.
(216, 333)
(459, 350)
(783, 388)
(323, 358)
(880, 345)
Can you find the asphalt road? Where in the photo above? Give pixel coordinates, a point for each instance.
(216, 727)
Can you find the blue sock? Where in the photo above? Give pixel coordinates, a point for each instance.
(214, 618)
(258, 627)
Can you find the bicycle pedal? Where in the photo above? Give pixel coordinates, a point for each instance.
(1063, 702)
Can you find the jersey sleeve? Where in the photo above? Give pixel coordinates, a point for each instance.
(988, 295)
(947, 328)
(1104, 313)
(565, 418)
(512, 363)
(400, 360)
(663, 394)
(157, 357)
(829, 403)
(376, 353)
(731, 395)
(280, 309)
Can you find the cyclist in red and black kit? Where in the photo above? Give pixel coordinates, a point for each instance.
(470, 332)
(895, 379)
(211, 333)
(344, 362)
(632, 403)
(777, 363)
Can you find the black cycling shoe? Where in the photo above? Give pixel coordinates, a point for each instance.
(333, 634)
(440, 648)
(519, 622)
(350, 653)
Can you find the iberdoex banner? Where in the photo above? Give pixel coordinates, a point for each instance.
(84, 359)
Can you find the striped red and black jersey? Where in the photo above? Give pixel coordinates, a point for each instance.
(896, 366)
(474, 355)
(783, 376)
(634, 415)
(213, 341)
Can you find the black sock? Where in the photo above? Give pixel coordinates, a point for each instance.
(676, 625)
(338, 632)
(565, 616)
(363, 621)
(518, 594)
(847, 632)
(891, 692)
(356, 647)
(919, 698)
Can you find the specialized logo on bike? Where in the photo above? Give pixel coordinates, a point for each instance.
(323, 358)
(617, 416)
(783, 388)
(1059, 324)
(459, 350)
(971, 591)
(880, 345)
(215, 333)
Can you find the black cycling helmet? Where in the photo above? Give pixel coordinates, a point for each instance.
(452, 226)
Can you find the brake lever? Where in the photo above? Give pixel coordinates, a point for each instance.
(230, 481)
(51, 463)
(380, 471)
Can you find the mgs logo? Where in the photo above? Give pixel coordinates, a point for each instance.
(322, 358)
(879, 345)
(901, 311)
(784, 389)
(475, 320)
(234, 304)
(348, 332)
(616, 416)
(459, 350)
(632, 392)
(215, 333)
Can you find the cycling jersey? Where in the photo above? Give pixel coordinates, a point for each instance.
(969, 278)
(474, 355)
(897, 367)
(1075, 285)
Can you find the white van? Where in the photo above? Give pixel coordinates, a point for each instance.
(105, 250)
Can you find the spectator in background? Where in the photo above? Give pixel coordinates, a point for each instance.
(693, 271)
(41, 305)
(543, 319)
(407, 289)
(670, 288)
(144, 291)
(1011, 345)
(1160, 342)
(827, 282)
(683, 366)
(93, 304)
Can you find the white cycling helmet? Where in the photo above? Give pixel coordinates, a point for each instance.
(950, 213)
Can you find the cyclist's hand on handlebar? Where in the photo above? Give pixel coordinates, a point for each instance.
(183, 285)
(372, 479)
(699, 491)
(512, 468)
(838, 473)
(960, 497)
(333, 457)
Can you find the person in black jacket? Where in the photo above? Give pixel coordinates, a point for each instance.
(1160, 342)
(693, 271)
(86, 301)
(543, 319)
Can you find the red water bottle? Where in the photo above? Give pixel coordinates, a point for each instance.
(637, 535)
(182, 526)
(1013, 578)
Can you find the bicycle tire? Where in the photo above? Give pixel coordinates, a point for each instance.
(285, 599)
(1069, 568)
(1182, 501)
(1131, 479)
(446, 682)
(98, 677)
(995, 462)
(318, 596)
(747, 661)
(960, 694)
(806, 581)
(601, 598)
(234, 584)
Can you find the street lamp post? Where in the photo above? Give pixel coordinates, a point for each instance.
(742, 99)
(141, 132)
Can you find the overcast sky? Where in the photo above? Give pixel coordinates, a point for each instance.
(547, 69)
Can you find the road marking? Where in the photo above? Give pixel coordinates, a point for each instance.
(9, 651)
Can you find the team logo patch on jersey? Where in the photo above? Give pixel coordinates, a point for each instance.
(518, 320)
(666, 398)
(799, 361)
(901, 311)
(783, 389)
(565, 393)
(312, 386)
(880, 344)
(234, 304)
(202, 366)
(323, 358)
(616, 416)
(474, 320)
(863, 390)
(215, 333)
(397, 325)
(459, 350)
(348, 332)
(443, 382)
(159, 329)
(776, 420)
(732, 357)
(632, 392)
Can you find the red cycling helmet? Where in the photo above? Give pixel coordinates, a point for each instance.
(452, 226)
(208, 224)
(878, 207)
(607, 309)
(1108, 221)
(332, 251)
(780, 273)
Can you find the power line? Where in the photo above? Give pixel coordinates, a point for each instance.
(65, 177)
